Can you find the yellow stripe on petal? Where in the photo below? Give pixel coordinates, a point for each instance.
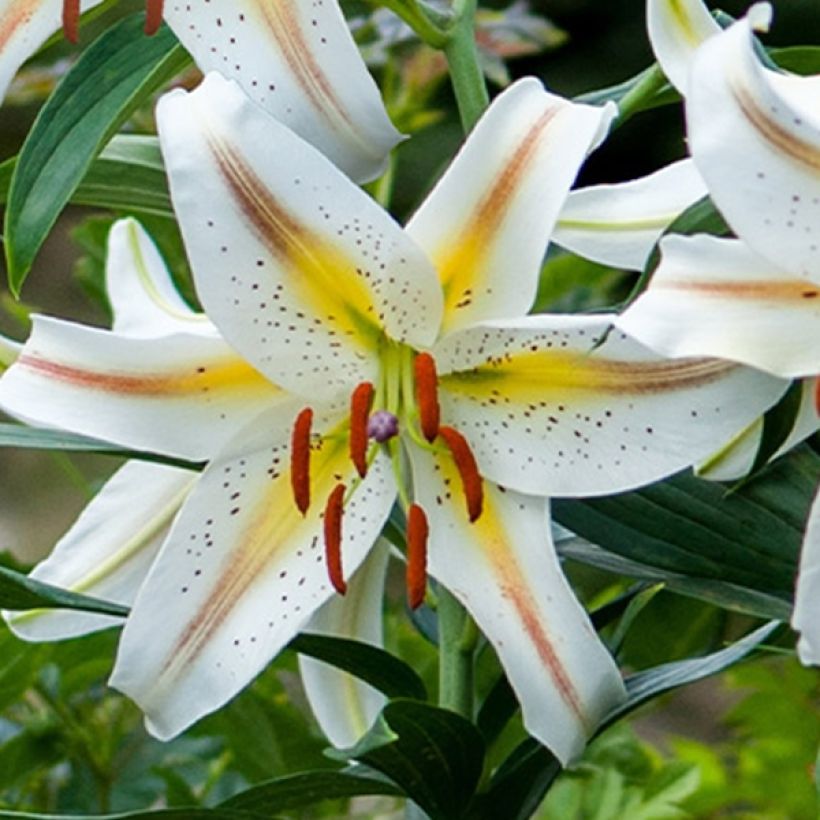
(543, 375)
(320, 273)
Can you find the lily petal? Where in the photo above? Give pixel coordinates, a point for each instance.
(676, 29)
(301, 271)
(735, 459)
(806, 618)
(504, 570)
(299, 62)
(181, 395)
(108, 550)
(487, 222)
(552, 405)
(143, 297)
(344, 705)
(24, 26)
(240, 574)
(716, 297)
(768, 184)
(619, 224)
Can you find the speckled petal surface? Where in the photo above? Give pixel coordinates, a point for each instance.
(487, 222)
(108, 550)
(806, 616)
(767, 184)
(504, 570)
(299, 268)
(619, 224)
(144, 300)
(345, 706)
(181, 395)
(297, 59)
(24, 26)
(716, 297)
(551, 409)
(676, 29)
(240, 574)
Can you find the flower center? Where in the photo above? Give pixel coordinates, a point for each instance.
(407, 402)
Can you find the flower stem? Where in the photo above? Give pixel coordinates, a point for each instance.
(465, 70)
(455, 656)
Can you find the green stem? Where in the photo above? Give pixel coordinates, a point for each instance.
(465, 70)
(650, 83)
(426, 29)
(455, 656)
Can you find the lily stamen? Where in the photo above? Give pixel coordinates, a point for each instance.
(71, 20)
(418, 531)
(153, 16)
(360, 403)
(424, 367)
(300, 460)
(467, 468)
(817, 396)
(333, 538)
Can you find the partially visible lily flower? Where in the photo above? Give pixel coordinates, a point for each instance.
(806, 618)
(108, 551)
(398, 348)
(295, 59)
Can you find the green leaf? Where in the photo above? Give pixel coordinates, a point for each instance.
(650, 683)
(435, 755)
(380, 669)
(305, 789)
(112, 77)
(778, 422)
(158, 814)
(690, 527)
(19, 592)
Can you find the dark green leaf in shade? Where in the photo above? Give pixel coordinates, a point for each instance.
(156, 814)
(19, 592)
(305, 789)
(778, 422)
(380, 669)
(113, 76)
(435, 755)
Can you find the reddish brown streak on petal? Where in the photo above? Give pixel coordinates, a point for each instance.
(71, 20)
(360, 403)
(300, 460)
(418, 531)
(467, 469)
(333, 538)
(153, 16)
(817, 395)
(427, 395)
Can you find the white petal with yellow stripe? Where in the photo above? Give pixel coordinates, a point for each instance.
(504, 570)
(757, 149)
(299, 62)
(240, 574)
(344, 705)
(487, 222)
(108, 550)
(298, 267)
(182, 395)
(556, 405)
(619, 224)
(716, 297)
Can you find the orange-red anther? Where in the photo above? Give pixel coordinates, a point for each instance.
(817, 395)
(333, 538)
(467, 469)
(71, 20)
(153, 16)
(427, 395)
(360, 403)
(418, 531)
(300, 460)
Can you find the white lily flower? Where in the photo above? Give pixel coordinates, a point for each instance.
(324, 294)
(296, 59)
(108, 551)
(805, 616)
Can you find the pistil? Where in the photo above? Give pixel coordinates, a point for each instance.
(300, 460)
(333, 538)
(418, 531)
